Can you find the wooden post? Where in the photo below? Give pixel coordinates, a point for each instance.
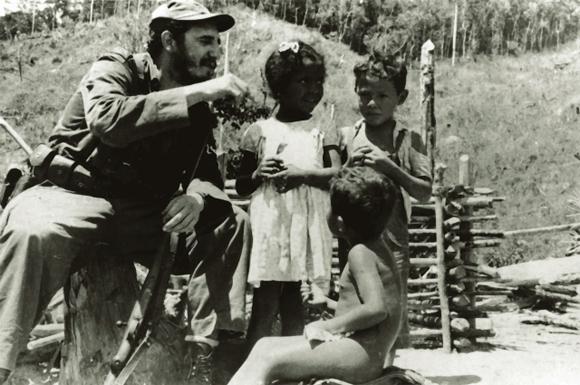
(465, 179)
(33, 17)
(98, 297)
(428, 100)
(441, 268)
(454, 34)
(91, 11)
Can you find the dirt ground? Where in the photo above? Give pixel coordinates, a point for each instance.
(518, 354)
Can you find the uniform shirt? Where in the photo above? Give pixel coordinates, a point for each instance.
(135, 139)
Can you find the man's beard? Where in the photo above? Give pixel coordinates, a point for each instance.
(182, 66)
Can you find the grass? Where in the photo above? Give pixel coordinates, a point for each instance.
(514, 116)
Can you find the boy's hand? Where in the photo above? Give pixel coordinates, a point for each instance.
(312, 295)
(288, 178)
(357, 156)
(378, 160)
(269, 167)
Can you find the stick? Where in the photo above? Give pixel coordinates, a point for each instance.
(428, 100)
(454, 35)
(441, 284)
(12, 132)
(45, 341)
(540, 230)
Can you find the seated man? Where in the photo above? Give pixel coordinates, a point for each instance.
(137, 128)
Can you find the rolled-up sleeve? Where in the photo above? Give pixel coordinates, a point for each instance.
(118, 118)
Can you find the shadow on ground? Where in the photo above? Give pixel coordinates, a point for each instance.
(455, 380)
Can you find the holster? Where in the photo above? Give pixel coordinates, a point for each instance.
(61, 171)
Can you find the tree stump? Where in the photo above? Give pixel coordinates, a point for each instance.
(97, 296)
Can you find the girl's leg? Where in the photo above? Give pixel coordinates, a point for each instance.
(293, 358)
(291, 309)
(265, 307)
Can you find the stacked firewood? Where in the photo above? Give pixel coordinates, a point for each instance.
(448, 288)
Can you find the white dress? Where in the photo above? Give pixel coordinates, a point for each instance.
(291, 238)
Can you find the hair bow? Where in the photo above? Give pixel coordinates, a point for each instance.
(289, 45)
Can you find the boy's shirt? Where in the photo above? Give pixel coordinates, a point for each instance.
(410, 155)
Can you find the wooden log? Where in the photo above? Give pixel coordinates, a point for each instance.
(556, 296)
(45, 330)
(482, 269)
(456, 288)
(97, 297)
(547, 271)
(462, 325)
(423, 295)
(51, 340)
(441, 284)
(560, 289)
(478, 218)
(433, 321)
(457, 272)
(547, 318)
(541, 230)
(425, 333)
(423, 261)
(460, 301)
(427, 81)
(422, 282)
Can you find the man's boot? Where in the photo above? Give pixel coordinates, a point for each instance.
(4, 374)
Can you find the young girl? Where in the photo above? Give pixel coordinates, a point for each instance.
(352, 346)
(286, 164)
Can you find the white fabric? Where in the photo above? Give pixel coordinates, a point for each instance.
(291, 239)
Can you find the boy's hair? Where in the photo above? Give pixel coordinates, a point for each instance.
(383, 66)
(287, 60)
(364, 199)
(156, 28)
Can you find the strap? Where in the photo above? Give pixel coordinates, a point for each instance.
(399, 140)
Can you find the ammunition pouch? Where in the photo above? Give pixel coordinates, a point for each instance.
(63, 172)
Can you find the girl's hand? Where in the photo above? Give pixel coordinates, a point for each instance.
(269, 167)
(288, 178)
(312, 295)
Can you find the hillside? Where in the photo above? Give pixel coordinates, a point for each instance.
(515, 116)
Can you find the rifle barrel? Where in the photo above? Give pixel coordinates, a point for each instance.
(10, 130)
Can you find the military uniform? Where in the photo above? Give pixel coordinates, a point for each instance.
(140, 146)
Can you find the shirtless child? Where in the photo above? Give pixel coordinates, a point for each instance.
(351, 346)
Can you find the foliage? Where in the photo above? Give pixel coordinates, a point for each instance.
(516, 117)
(484, 26)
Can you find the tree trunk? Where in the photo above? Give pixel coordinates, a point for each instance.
(97, 297)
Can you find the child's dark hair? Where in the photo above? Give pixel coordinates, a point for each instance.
(287, 60)
(383, 66)
(156, 28)
(364, 199)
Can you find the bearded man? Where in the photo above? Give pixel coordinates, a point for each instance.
(136, 159)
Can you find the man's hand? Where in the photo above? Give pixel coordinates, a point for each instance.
(225, 86)
(289, 178)
(182, 213)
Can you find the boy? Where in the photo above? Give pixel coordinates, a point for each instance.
(352, 346)
(376, 141)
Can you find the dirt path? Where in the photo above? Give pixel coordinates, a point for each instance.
(519, 354)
